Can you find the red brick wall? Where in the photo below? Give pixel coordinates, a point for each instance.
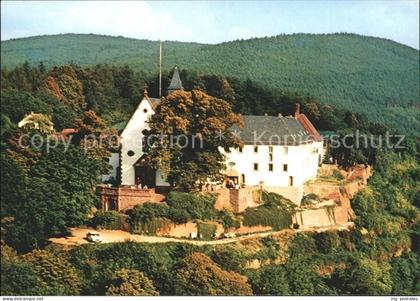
(125, 197)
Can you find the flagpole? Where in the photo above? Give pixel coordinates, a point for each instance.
(160, 68)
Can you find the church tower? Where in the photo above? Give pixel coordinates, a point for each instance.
(176, 83)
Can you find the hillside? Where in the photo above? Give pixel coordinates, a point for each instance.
(370, 75)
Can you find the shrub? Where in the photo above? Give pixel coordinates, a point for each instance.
(273, 217)
(228, 219)
(151, 226)
(336, 174)
(196, 206)
(309, 199)
(109, 220)
(303, 245)
(206, 230)
(276, 212)
(270, 249)
(230, 258)
(327, 241)
(271, 280)
(147, 216)
(127, 282)
(179, 216)
(199, 275)
(274, 200)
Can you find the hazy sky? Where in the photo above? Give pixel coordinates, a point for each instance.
(212, 22)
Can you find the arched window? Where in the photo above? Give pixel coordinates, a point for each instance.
(290, 181)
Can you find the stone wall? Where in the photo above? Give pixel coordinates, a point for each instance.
(324, 191)
(247, 230)
(237, 200)
(185, 230)
(325, 214)
(175, 230)
(292, 193)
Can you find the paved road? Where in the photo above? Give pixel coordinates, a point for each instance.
(78, 235)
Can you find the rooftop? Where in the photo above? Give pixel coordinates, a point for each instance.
(272, 130)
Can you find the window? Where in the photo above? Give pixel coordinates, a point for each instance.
(145, 110)
(270, 157)
(130, 153)
(270, 149)
(285, 167)
(270, 167)
(285, 150)
(290, 181)
(255, 166)
(240, 149)
(255, 149)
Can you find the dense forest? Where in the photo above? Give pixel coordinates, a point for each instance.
(45, 191)
(380, 256)
(374, 76)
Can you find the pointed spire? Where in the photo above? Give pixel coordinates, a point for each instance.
(176, 83)
(145, 93)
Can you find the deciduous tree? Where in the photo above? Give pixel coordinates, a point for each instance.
(185, 136)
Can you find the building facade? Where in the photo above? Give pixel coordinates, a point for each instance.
(280, 153)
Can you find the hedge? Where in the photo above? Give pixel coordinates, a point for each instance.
(111, 220)
(206, 230)
(273, 217)
(188, 206)
(150, 226)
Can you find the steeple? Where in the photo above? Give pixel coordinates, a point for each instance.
(176, 83)
(145, 93)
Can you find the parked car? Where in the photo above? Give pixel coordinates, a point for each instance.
(229, 235)
(94, 236)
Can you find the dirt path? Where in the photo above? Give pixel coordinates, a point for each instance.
(78, 235)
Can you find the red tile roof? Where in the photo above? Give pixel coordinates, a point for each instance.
(308, 126)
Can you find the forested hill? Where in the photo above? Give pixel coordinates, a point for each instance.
(375, 76)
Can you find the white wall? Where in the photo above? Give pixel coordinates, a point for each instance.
(131, 140)
(302, 160)
(302, 164)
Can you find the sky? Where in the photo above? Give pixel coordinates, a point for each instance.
(212, 21)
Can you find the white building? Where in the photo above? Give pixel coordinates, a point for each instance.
(280, 153)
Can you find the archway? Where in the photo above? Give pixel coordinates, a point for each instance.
(144, 173)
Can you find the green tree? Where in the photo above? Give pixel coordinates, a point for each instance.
(54, 271)
(18, 278)
(58, 195)
(127, 282)
(367, 277)
(201, 123)
(16, 104)
(271, 280)
(69, 86)
(197, 274)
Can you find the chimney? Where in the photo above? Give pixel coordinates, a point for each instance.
(297, 112)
